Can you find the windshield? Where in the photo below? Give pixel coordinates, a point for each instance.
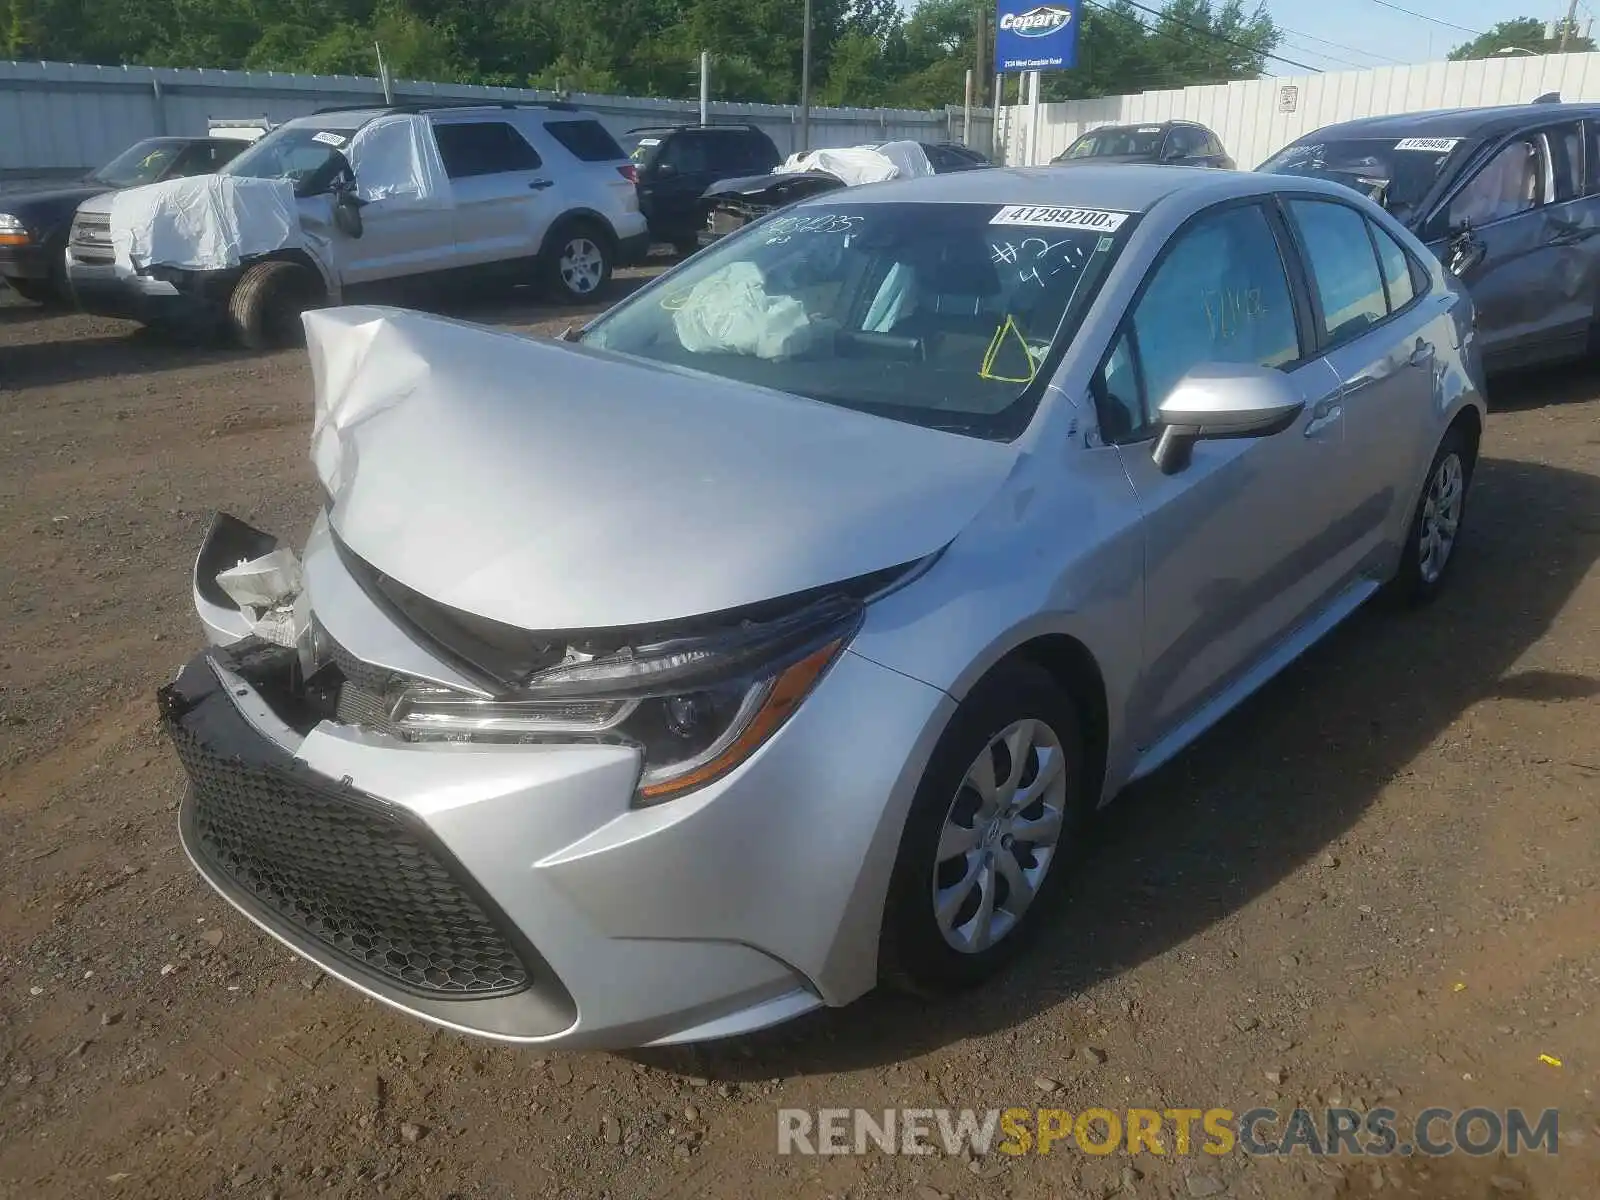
(1116, 141)
(1397, 172)
(307, 155)
(142, 162)
(936, 314)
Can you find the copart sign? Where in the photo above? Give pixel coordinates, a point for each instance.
(1038, 37)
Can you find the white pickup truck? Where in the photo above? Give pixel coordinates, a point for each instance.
(350, 204)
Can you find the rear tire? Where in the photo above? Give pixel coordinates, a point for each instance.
(578, 262)
(1435, 533)
(265, 307)
(958, 860)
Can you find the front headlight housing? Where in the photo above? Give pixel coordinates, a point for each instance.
(695, 707)
(12, 231)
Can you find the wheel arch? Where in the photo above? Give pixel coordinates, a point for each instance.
(301, 257)
(1073, 666)
(575, 216)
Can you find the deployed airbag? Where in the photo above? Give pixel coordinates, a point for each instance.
(731, 312)
(203, 222)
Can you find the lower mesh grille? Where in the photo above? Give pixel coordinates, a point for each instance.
(346, 873)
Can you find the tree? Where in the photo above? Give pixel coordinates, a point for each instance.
(864, 52)
(1524, 33)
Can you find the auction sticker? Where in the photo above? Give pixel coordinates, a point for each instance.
(1101, 220)
(328, 139)
(1431, 145)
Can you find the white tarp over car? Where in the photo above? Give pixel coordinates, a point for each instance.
(396, 159)
(863, 164)
(203, 222)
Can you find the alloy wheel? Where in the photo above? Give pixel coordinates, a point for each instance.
(581, 266)
(1441, 517)
(1000, 836)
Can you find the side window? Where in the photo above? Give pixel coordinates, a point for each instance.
(484, 148)
(686, 153)
(1563, 152)
(725, 152)
(1397, 276)
(1214, 146)
(1219, 295)
(588, 141)
(1344, 270)
(759, 152)
(1506, 185)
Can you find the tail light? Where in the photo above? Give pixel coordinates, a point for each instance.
(629, 172)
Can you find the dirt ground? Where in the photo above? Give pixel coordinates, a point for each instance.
(1377, 883)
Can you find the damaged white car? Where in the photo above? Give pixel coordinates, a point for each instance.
(777, 635)
(361, 203)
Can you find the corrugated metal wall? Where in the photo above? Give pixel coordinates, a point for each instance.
(1258, 117)
(63, 117)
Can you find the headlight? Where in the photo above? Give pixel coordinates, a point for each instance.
(12, 231)
(696, 707)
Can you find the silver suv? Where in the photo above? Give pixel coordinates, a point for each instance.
(347, 204)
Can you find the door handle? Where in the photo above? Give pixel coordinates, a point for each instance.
(1324, 414)
(1421, 353)
(539, 185)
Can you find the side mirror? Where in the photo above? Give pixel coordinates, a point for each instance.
(1465, 253)
(347, 211)
(1223, 400)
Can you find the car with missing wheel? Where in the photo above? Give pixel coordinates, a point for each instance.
(776, 636)
(365, 203)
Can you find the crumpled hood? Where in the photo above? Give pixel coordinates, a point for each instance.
(551, 486)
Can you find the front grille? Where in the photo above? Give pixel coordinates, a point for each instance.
(346, 872)
(91, 237)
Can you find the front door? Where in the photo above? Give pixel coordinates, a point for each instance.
(1524, 209)
(1236, 541)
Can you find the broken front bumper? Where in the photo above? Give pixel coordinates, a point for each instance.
(516, 891)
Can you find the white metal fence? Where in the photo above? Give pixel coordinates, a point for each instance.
(1255, 118)
(65, 117)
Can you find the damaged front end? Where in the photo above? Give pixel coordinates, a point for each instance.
(693, 698)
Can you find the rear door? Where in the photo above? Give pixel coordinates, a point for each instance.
(1375, 330)
(501, 188)
(671, 185)
(1236, 542)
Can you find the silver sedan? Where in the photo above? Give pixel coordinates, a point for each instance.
(775, 635)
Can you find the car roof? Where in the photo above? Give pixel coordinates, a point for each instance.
(355, 117)
(1169, 124)
(1127, 187)
(1456, 122)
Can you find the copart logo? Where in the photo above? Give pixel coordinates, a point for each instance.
(1036, 22)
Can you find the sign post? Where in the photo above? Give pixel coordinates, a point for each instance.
(1030, 39)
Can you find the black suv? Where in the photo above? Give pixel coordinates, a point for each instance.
(677, 163)
(34, 220)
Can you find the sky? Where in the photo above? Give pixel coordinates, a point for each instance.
(1369, 34)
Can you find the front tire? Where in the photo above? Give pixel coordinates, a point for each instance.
(1436, 524)
(266, 304)
(1000, 809)
(578, 262)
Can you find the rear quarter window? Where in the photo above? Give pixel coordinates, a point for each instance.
(588, 141)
